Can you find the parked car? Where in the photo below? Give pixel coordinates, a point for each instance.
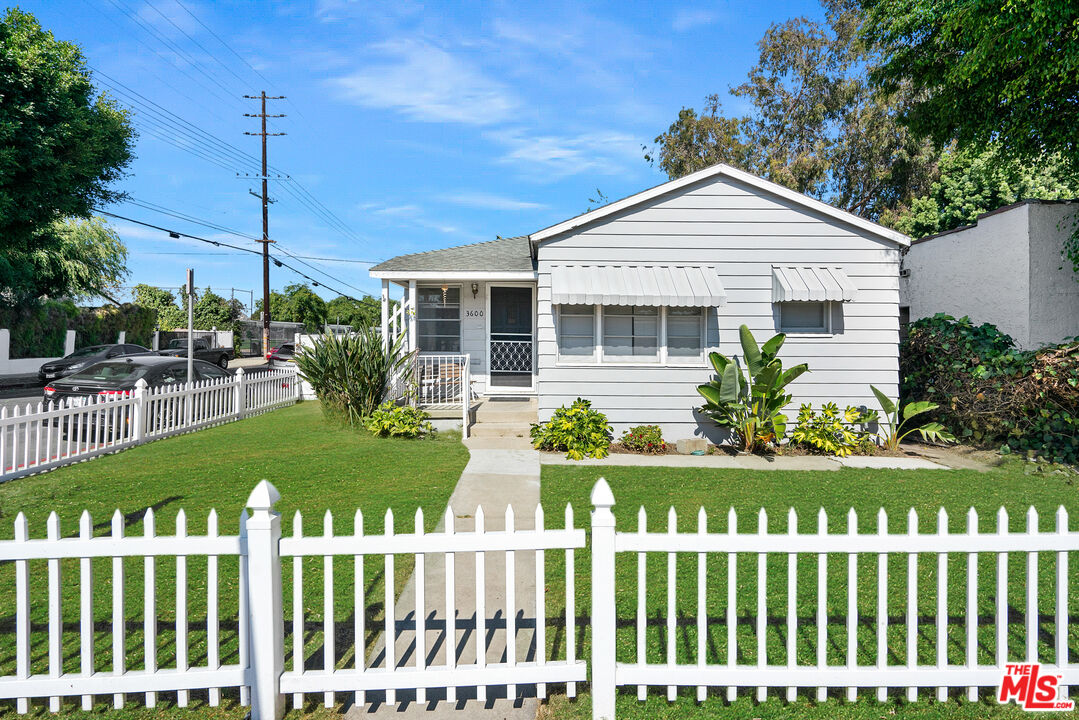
(219, 356)
(86, 357)
(117, 378)
(282, 356)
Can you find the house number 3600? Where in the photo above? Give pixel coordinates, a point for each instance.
(473, 313)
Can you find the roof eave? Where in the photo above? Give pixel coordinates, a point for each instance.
(716, 170)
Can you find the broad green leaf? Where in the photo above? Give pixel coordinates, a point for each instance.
(771, 348)
(750, 350)
(886, 404)
(719, 362)
(710, 393)
(917, 408)
(729, 391)
(791, 375)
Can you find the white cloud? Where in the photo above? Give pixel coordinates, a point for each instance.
(689, 18)
(554, 157)
(427, 83)
(489, 201)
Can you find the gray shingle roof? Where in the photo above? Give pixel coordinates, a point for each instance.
(504, 254)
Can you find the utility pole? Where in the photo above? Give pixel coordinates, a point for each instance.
(265, 215)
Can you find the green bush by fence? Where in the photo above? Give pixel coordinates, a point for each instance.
(990, 393)
(38, 329)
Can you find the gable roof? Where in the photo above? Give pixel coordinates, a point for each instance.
(720, 170)
(501, 255)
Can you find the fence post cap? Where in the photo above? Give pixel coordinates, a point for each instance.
(263, 496)
(141, 384)
(239, 372)
(602, 495)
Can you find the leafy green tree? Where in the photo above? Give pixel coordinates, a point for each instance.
(817, 124)
(169, 314)
(972, 183)
(87, 260)
(298, 303)
(214, 311)
(984, 72)
(61, 147)
(365, 312)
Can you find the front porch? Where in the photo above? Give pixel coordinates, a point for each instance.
(473, 336)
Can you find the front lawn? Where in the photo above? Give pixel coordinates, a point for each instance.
(315, 466)
(687, 490)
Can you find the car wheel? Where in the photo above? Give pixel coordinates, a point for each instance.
(223, 363)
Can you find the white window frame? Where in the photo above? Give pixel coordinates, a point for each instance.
(460, 322)
(824, 330)
(662, 359)
(633, 359)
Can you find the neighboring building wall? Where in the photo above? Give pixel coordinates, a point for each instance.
(743, 232)
(979, 272)
(1054, 285)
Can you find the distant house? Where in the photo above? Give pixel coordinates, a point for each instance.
(621, 305)
(1005, 269)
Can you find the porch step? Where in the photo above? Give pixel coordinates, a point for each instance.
(499, 430)
(521, 412)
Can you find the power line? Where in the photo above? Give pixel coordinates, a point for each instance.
(277, 261)
(154, 207)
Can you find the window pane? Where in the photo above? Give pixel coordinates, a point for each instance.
(588, 310)
(683, 327)
(684, 347)
(575, 345)
(617, 345)
(802, 315)
(684, 311)
(577, 325)
(630, 331)
(438, 319)
(617, 325)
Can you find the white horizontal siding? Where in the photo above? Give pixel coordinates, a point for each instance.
(743, 233)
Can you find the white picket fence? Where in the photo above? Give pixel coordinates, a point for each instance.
(262, 678)
(42, 436)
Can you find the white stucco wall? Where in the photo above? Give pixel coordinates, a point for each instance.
(1006, 270)
(1054, 285)
(743, 231)
(980, 272)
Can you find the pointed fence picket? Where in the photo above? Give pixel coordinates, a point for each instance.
(864, 652)
(853, 675)
(45, 435)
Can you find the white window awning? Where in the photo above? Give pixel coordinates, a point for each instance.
(655, 285)
(810, 283)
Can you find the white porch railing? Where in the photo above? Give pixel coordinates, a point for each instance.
(444, 381)
(43, 436)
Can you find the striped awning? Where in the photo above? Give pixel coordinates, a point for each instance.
(810, 283)
(656, 285)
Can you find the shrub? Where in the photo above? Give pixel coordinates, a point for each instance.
(646, 439)
(832, 432)
(989, 392)
(391, 420)
(750, 406)
(577, 430)
(897, 423)
(351, 374)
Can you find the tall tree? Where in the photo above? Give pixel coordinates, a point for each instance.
(985, 72)
(169, 315)
(62, 145)
(365, 312)
(87, 260)
(817, 126)
(298, 303)
(972, 183)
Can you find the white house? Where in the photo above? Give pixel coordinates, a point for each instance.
(621, 305)
(1005, 269)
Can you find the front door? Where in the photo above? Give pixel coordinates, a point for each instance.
(511, 334)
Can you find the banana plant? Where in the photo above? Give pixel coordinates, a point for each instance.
(896, 422)
(749, 401)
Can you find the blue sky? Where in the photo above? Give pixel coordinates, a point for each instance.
(418, 126)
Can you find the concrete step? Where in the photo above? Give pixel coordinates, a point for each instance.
(500, 430)
(518, 417)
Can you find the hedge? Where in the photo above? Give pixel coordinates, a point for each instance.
(38, 329)
(992, 394)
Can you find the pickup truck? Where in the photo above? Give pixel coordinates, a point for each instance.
(218, 356)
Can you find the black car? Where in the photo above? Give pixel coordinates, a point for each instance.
(86, 357)
(114, 377)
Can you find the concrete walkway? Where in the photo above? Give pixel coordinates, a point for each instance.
(492, 480)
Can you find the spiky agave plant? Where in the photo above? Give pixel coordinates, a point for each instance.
(351, 374)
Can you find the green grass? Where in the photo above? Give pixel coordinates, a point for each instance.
(315, 466)
(687, 490)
